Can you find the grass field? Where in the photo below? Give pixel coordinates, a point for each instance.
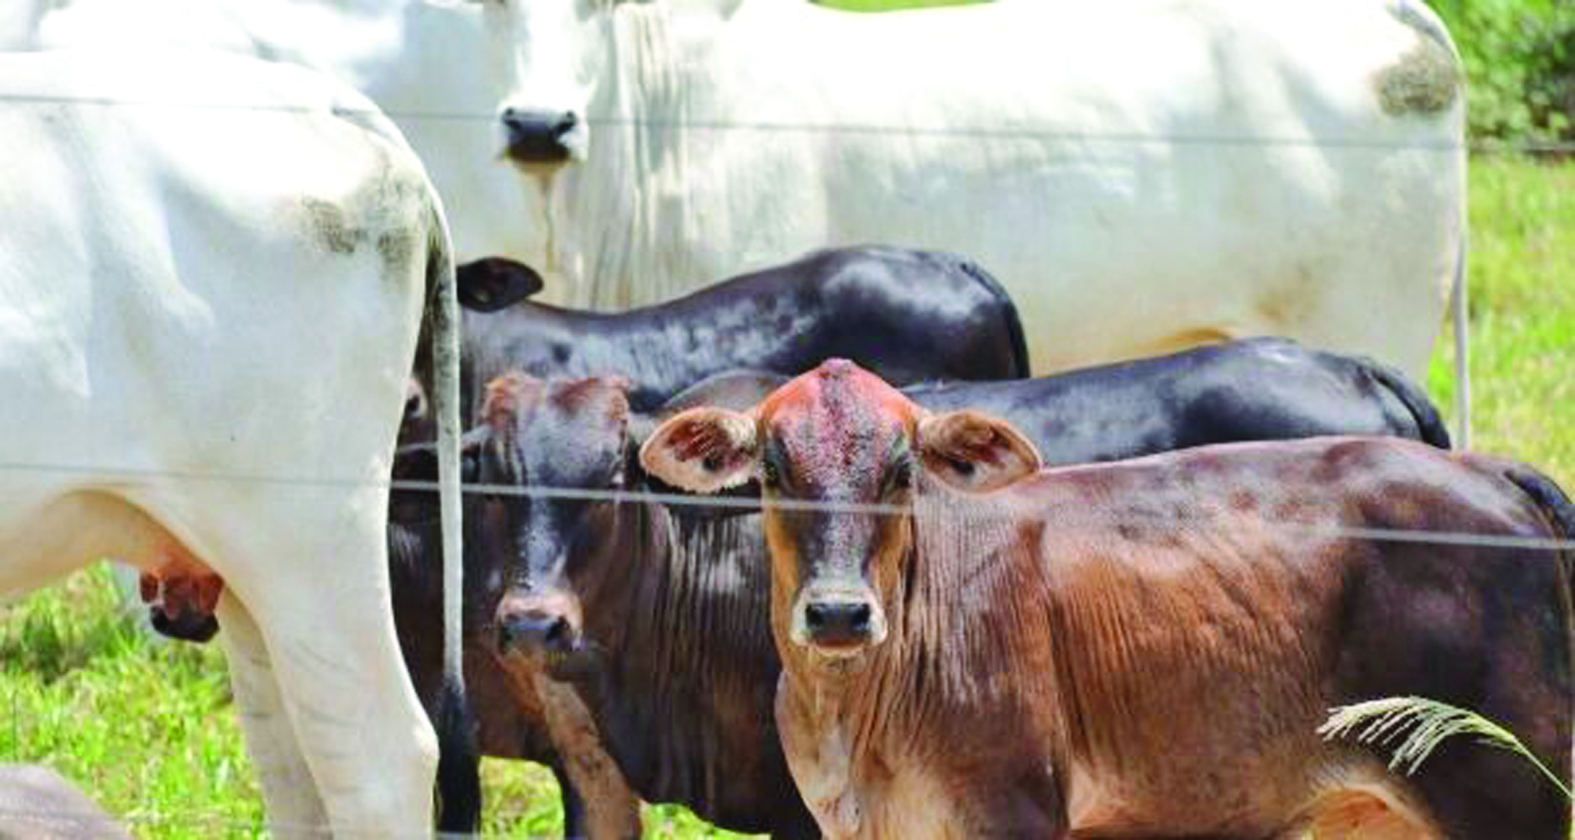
(150, 731)
(1522, 315)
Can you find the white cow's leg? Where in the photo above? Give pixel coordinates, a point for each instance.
(290, 793)
(328, 622)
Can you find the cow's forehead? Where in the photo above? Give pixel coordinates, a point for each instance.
(837, 421)
(568, 427)
(589, 415)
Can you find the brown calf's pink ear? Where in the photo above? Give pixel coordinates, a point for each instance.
(975, 452)
(702, 450)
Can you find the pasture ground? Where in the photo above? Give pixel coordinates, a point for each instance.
(148, 728)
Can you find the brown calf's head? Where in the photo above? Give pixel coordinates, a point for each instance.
(557, 437)
(182, 595)
(839, 455)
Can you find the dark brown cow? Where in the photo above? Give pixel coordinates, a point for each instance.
(652, 615)
(518, 715)
(1142, 648)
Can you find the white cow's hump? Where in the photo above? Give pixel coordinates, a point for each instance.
(215, 345)
(419, 60)
(191, 241)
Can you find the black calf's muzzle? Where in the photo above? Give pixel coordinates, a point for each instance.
(539, 136)
(535, 631)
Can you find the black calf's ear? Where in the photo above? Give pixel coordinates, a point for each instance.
(702, 450)
(494, 283)
(974, 452)
(419, 462)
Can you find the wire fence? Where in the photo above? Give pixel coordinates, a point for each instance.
(22, 823)
(1042, 133)
(211, 823)
(123, 479)
(196, 822)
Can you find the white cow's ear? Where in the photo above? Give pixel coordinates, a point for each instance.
(702, 450)
(974, 452)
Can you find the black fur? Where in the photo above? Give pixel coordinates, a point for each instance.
(458, 773)
(1014, 324)
(1428, 421)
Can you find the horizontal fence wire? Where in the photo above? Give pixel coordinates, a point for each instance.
(20, 818)
(217, 822)
(741, 504)
(1526, 147)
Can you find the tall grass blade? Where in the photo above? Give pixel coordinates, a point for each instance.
(1420, 725)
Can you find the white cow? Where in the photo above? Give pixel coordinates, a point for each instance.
(1143, 175)
(421, 61)
(212, 279)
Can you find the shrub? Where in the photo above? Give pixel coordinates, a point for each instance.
(1520, 65)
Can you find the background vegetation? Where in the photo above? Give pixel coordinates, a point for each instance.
(1520, 62)
(148, 728)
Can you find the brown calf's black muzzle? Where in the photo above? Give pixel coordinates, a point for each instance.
(837, 623)
(185, 626)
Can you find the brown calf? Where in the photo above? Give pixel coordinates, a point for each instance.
(182, 594)
(1142, 648)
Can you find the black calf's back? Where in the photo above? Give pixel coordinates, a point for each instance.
(1259, 389)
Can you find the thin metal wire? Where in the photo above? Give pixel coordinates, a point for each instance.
(1541, 147)
(205, 819)
(745, 504)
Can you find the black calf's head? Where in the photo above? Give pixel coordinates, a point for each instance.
(563, 444)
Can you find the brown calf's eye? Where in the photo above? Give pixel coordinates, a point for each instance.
(901, 478)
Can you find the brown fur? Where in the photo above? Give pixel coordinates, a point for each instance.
(595, 775)
(1135, 650)
(182, 594)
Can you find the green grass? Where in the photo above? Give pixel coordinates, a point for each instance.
(149, 730)
(1522, 315)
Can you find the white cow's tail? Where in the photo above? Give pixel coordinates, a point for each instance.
(1428, 24)
(458, 782)
(1461, 315)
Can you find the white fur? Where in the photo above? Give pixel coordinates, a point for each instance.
(419, 60)
(185, 358)
(1140, 174)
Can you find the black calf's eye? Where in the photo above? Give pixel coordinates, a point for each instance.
(769, 476)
